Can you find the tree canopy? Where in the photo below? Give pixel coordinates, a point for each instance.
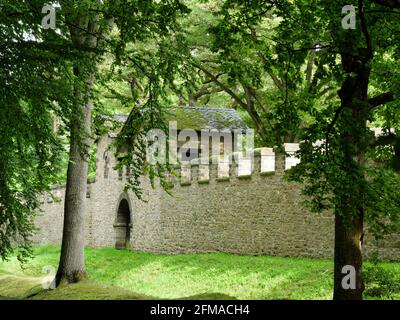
(290, 68)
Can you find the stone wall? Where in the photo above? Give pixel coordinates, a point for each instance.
(212, 208)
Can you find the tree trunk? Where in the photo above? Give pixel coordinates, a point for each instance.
(72, 263)
(348, 241)
(349, 213)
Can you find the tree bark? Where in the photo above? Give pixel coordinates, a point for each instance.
(251, 110)
(348, 252)
(349, 214)
(72, 263)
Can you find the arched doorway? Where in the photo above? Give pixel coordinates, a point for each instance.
(123, 225)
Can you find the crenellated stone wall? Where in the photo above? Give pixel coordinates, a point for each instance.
(245, 209)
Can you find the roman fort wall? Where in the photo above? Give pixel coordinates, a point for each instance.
(223, 207)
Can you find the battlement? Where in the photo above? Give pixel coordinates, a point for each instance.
(263, 161)
(240, 204)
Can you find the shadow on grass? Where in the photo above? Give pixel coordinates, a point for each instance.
(193, 276)
(23, 287)
(245, 277)
(124, 274)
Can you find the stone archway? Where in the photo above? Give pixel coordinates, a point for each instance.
(123, 224)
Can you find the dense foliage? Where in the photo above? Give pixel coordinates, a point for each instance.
(42, 73)
(289, 67)
(33, 87)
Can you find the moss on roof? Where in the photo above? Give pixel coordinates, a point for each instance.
(198, 118)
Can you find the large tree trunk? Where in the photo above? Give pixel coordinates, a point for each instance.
(72, 266)
(349, 213)
(348, 242)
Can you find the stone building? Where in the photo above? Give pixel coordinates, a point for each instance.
(216, 207)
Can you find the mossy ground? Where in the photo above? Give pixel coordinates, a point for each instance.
(123, 274)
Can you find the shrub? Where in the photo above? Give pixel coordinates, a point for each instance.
(381, 282)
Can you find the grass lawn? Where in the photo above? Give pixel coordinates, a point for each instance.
(123, 274)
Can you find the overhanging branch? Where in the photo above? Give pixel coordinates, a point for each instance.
(381, 99)
(395, 4)
(223, 86)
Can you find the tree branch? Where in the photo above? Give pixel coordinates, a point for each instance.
(364, 29)
(248, 105)
(381, 99)
(310, 66)
(395, 4)
(223, 86)
(250, 96)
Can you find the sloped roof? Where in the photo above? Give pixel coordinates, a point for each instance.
(120, 118)
(198, 118)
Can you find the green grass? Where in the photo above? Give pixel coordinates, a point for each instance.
(122, 274)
